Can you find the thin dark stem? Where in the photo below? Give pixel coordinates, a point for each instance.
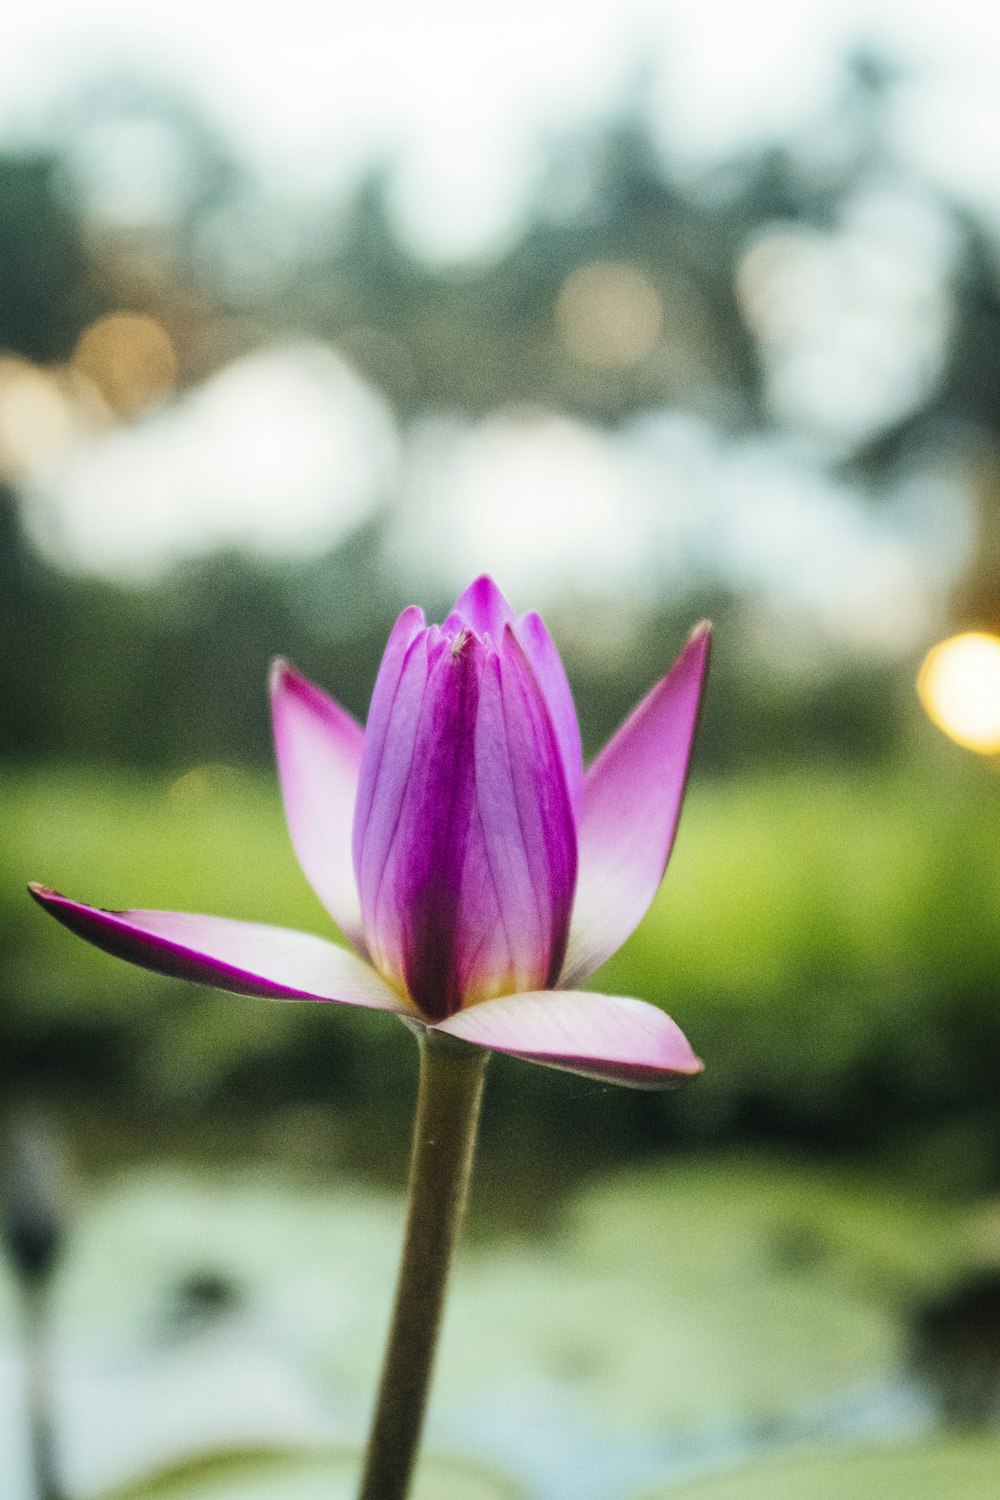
(41, 1434)
(444, 1139)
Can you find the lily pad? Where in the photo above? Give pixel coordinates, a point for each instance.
(275, 1474)
(704, 1295)
(960, 1469)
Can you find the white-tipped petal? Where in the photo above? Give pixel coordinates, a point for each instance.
(247, 958)
(609, 1037)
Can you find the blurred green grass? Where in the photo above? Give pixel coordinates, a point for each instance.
(829, 939)
(211, 840)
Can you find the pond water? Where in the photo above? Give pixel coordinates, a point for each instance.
(668, 1321)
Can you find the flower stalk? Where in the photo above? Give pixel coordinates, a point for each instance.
(41, 1426)
(452, 1075)
(33, 1229)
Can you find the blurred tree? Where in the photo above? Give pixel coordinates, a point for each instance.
(25, 723)
(45, 298)
(616, 231)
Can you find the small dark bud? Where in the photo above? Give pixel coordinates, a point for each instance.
(33, 1209)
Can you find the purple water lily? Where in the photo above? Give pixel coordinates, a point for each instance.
(478, 872)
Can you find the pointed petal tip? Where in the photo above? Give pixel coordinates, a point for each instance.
(697, 648)
(46, 896)
(411, 616)
(286, 678)
(483, 582)
(484, 606)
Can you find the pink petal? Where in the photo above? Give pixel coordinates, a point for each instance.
(411, 853)
(608, 1037)
(466, 863)
(540, 650)
(526, 832)
(244, 957)
(389, 764)
(384, 707)
(482, 608)
(319, 748)
(631, 805)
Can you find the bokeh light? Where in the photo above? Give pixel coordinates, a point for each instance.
(852, 324)
(529, 495)
(130, 358)
(609, 315)
(280, 452)
(959, 686)
(34, 415)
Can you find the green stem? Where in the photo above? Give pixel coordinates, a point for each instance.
(444, 1141)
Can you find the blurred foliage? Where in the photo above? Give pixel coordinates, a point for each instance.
(169, 674)
(46, 295)
(827, 939)
(174, 678)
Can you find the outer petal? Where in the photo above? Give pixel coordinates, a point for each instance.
(482, 608)
(602, 1036)
(403, 634)
(540, 650)
(244, 957)
(411, 853)
(631, 805)
(526, 833)
(319, 748)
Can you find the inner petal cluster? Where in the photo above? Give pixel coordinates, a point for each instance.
(464, 835)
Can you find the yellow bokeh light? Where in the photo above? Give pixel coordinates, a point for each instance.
(130, 358)
(609, 315)
(959, 686)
